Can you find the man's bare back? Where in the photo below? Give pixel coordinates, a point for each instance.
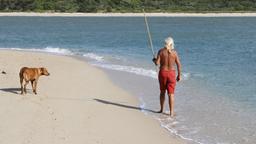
(167, 59)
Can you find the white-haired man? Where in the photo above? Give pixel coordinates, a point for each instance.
(168, 58)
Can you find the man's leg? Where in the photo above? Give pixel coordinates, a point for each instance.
(171, 104)
(162, 98)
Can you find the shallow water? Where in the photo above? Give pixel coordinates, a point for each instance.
(214, 101)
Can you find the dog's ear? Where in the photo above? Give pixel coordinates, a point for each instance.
(41, 70)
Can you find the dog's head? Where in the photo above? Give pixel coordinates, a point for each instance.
(43, 71)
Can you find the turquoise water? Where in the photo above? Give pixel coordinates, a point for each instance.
(215, 102)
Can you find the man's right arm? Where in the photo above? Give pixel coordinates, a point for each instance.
(156, 59)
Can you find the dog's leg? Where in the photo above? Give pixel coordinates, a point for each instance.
(34, 83)
(25, 85)
(21, 86)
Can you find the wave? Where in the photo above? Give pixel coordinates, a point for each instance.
(130, 69)
(60, 51)
(94, 57)
(136, 70)
(100, 62)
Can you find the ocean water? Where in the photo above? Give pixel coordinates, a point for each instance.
(214, 102)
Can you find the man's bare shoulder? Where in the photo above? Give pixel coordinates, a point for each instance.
(161, 50)
(174, 52)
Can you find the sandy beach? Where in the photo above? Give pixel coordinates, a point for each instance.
(237, 14)
(76, 104)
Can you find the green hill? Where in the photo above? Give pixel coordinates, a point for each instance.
(128, 5)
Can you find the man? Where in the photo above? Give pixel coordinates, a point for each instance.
(168, 58)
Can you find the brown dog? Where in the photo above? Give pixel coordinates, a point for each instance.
(32, 75)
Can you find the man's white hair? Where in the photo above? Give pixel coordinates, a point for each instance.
(169, 42)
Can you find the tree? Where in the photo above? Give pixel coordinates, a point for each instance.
(66, 6)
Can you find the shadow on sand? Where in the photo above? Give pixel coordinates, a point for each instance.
(123, 105)
(11, 90)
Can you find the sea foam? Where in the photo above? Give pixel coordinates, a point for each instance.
(94, 57)
(61, 51)
(130, 69)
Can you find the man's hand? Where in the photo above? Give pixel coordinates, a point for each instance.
(178, 78)
(154, 60)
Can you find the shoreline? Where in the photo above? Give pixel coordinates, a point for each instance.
(35, 14)
(69, 108)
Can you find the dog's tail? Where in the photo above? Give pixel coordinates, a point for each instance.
(21, 73)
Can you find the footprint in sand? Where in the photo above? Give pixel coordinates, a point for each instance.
(59, 133)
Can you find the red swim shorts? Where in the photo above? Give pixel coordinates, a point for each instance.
(167, 81)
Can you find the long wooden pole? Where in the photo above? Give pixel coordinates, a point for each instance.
(150, 38)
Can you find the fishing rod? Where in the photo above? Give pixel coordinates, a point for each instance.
(149, 35)
(150, 38)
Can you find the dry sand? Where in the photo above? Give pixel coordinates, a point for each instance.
(252, 14)
(76, 104)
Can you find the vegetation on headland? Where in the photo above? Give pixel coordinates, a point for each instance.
(127, 5)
